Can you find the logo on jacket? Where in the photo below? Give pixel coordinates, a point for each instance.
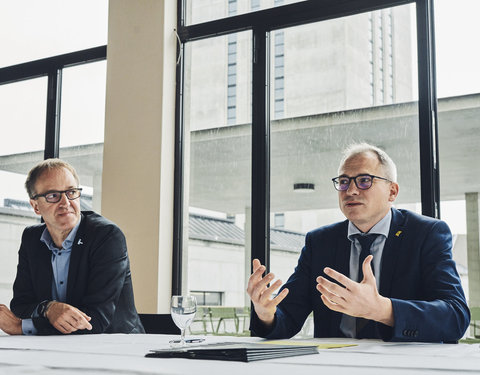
(79, 242)
(398, 233)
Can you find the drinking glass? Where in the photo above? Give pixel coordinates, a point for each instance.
(183, 309)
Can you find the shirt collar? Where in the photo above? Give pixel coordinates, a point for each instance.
(382, 227)
(67, 243)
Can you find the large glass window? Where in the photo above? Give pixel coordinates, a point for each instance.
(22, 139)
(82, 127)
(458, 82)
(31, 29)
(207, 10)
(346, 80)
(217, 163)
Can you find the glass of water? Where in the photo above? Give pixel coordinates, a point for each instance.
(182, 309)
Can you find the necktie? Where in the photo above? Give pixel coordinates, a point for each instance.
(364, 328)
(366, 241)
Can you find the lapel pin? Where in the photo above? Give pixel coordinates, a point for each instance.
(79, 242)
(398, 233)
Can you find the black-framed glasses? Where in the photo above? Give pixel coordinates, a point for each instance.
(55, 196)
(362, 181)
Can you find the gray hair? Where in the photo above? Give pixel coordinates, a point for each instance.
(388, 166)
(44, 166)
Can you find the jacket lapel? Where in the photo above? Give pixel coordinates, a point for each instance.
(391, 251)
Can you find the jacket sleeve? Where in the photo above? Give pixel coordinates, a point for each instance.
(25, 300)
(442, 315)
(294, 309)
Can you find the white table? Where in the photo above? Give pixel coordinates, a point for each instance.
(124, 354)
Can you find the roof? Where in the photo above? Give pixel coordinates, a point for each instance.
(208, 228)
(201, 227)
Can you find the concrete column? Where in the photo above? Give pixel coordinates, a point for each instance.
(473, 249)
(138, 161)
(97, 192)
(248, 250)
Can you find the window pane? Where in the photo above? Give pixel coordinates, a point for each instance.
(31, 29)
(22, 139)
(208, 10)
(82, 127)
(217, 169)
(329, 101)
(458, 82)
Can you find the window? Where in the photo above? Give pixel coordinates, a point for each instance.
(327, 96)
(207, 10)
(82, 127)
(217, 166)
(458, 84)
(208, 298)
(32, 30)
(35, 107)
(319, 79)
(21, 146)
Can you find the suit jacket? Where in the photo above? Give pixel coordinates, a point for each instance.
(99, 280)
(418, 275)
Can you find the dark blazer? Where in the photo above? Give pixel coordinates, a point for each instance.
(418, 275)
(99, 280)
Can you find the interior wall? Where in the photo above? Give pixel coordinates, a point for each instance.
(138, 160)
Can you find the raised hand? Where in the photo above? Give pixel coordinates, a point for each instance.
(261, 294)
(356, 299)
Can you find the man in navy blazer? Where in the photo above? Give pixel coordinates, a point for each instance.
(410, 289)
(73, 274)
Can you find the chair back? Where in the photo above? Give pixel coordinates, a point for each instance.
(159, 324)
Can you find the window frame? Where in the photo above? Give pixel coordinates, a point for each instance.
(261, 24)
(51, 67)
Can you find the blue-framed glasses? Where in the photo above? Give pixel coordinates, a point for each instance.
(362, 181)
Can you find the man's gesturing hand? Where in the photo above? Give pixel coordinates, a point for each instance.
(356, 299)
(261, 294)
(66, 318)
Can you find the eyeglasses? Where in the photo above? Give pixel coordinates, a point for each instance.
(362, 181)
(55, 196)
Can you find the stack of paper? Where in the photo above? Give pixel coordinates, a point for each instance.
(234, 351)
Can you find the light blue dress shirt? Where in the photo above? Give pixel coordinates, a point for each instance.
(60, 264)
(347, 324)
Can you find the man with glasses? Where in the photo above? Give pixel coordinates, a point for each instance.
(73, 273)
(383, 273)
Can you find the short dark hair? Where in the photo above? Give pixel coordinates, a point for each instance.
(42, 167)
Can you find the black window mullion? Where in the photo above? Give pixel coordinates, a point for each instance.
(178, 208)
(52, 128)
(261, 148)
(427, 107)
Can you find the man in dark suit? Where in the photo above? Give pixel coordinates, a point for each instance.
(73, 274)
(383, 273)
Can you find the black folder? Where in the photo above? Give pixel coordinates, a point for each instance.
(234, 351)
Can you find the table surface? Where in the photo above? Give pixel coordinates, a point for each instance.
(124, 354)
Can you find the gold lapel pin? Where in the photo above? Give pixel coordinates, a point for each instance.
(398, 233)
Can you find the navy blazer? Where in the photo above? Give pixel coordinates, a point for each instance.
(99, 280)
(418, 275)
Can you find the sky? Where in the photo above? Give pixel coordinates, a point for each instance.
(32, 29)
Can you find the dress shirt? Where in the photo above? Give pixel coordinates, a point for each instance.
(60, 264)
(347, 325)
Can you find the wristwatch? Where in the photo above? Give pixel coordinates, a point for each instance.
(43, 307)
